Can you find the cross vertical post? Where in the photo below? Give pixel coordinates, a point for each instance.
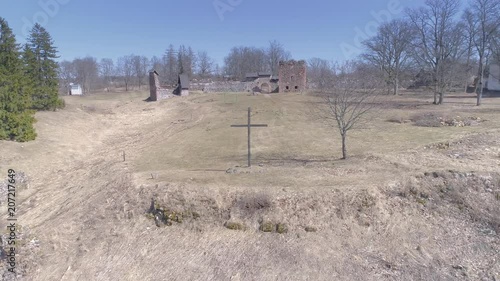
(249, 125)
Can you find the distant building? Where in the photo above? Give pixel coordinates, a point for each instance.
(75, 90)
(251, 77)
(292, 76)
(493, 82)
(265, 74)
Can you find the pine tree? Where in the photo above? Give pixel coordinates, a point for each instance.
(191, 61)
(172, 65)
(39, 56)
(16, 120)
(181, 58)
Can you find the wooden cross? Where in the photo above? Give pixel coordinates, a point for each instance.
(249, 125)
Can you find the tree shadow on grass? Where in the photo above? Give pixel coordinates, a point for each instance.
(292, 160)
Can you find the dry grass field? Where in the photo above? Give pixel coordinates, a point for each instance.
(412, 203)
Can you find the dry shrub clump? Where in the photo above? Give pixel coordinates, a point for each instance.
(400, 119)
(431, 119)
(428, 119)
(268, 226)
(164, 216)
(250, 204)
(235, 226)
(471, 195)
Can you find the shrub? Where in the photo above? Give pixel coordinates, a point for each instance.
(234, 226)
(281, 228)
(17, 126)
(267, 227)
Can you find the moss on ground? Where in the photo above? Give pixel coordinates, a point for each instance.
(273, 227)
(281, 228)
(267, 227)
(421, 201)
(235, 226)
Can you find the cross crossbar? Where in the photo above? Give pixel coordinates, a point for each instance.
(253, 125)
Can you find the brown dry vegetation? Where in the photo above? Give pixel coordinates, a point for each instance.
(413, 203)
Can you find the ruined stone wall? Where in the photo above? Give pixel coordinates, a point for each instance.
(225, 87)
(164, 93)
(292, 76)
(184, 92)
(198, 86)
(156, 92)
(261, 85)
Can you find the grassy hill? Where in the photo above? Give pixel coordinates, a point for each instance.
(413, 202)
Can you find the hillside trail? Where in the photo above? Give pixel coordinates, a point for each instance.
(69, 191)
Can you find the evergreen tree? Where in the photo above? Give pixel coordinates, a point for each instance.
(16, 120)
(170, 64)
(181, 58)
(39, 56)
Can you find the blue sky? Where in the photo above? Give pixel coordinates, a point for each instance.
(109, 29)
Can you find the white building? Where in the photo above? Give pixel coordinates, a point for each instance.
(493, 83)
(75, 90)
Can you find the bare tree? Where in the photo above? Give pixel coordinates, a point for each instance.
(484, 19)
(276, 53)
(435, 41)
(107, 70)
(140, 68)
(347, 100)
(67, 74)
(217, 71)
(125, 69)
(319, 72)
(205, 64)
(389, 50)
(186, 60)
(87, 72)
(469, 28)
(156, 63)
(243, 60)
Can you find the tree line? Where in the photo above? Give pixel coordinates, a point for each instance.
(437, 43)
(131, 71)
(28, 81)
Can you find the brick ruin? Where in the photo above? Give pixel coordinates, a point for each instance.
(292, 76)
(156, 91)
(264, 85)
